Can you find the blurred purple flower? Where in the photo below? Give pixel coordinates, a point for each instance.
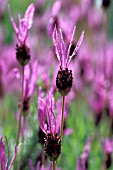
(46, 108)
(3, 159)
(82, 163)
(54, 18)
(24, 24)
(95, 19)
(42, 167)
(78, 167)
(98, 96)
(52, 139)
(30, 79)
(22, 50)
(108, 147)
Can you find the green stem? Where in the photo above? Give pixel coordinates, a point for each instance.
(21, 109)
(43, 157)
(22, 140)
(62, 118)
(54, 165)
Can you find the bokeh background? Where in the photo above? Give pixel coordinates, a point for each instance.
(89, 106)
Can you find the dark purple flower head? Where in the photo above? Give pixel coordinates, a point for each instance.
(22, 50)
(64, 77)
(48, 125)
(3, 159)
(106, 3)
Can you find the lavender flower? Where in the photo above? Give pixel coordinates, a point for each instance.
(54, 18)
(82, 163)
(30, 78)
(108, 147)
(22, 50)
(3, 159)
(38, 167)
(31, 73)
(64, 77)
(52, 139)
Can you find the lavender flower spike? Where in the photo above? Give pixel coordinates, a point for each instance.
(64, 77)
(22, 50)
(52, 139)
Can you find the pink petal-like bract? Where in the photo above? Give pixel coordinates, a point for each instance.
(2, 155)
(70, 44)
(41, 118)
(56, 8)
(63, 50)
(14, 156)
(76, 48)
(51, 117)
(23, 30)
(29, 14)
(55, 41)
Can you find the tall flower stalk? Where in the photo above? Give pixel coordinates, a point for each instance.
(22, 50)
(21, 109)
(23, 57)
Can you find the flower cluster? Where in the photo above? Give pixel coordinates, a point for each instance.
(64, 77)
(52, 139)
(22, 50)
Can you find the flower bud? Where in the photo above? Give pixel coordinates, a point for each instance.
(52, 146)
(22, 54)
(25, 106)
(64, 81)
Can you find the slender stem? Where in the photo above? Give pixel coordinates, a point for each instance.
(21, 109)
(62, 118)
(22, 140)
(105, 28)
(43, 157)
(54, 165)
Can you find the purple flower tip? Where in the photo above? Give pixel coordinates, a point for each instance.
(60, 48)
(24, 24)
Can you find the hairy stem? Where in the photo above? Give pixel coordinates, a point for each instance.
(21, 108)
(62, 118)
